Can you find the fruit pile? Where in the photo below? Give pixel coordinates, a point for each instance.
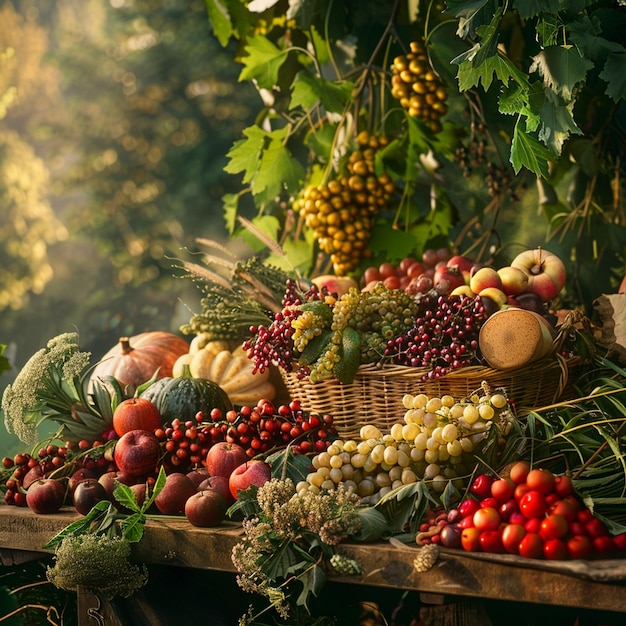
(438, 441)
(530, 512)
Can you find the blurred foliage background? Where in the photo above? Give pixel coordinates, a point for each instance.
(115, 119)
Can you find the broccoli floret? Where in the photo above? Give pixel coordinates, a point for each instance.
(98, 563)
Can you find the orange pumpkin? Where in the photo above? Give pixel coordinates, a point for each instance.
(134, 360)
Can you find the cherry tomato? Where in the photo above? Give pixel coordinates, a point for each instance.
(579, 547)
(491, 541)
(555, 550)
(541, 480)
(533, 504)
(502, 489)
(531, 546)
(553, 526)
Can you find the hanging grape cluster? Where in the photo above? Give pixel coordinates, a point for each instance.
(341, 212)
(417, 86)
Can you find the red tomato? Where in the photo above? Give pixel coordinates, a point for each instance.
(489, 502)
(533, 524)
(469, 506)
(579, 547)
(554, 526)
(502, 489)
(564, 508)
(620, 542)
(517, 518)
(596, 528)
(491, 541)
(512, 534)
(533, 504)
(487, 518)
(520, 490)
(584, 516)
(470, 539)
(531, 546)
(603, 545)
(519, 471)
(555, 550)
(466, 522)
(563, 485)
(541, 480)
(481, 486)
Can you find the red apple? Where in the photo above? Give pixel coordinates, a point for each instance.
(253, 472)
(197, 476)
(447, 278)
(45, 496)
(498, 296)
(135, 414)
(177, 490)
(514, 280)
(546, 272)
(32, 475)
(78, 476)
(220, 484)
(335, 284)
(463, 263)
(483, 278)
(205, 508)
(222, 458)
(137, 453)
(87, 494)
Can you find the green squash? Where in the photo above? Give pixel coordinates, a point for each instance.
(183, 396)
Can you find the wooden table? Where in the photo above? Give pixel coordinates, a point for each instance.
(173, 542)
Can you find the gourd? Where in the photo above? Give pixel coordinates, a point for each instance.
(199, 343)
(134, 360)
(233, 372)
(183, 396)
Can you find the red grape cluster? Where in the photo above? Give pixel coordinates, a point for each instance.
(444, 336)
(273, 344)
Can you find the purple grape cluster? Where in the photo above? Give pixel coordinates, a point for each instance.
(444, 336)
(273, 344)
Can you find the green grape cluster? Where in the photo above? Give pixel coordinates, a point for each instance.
(341, 212)
(417, 86)
(436, 442)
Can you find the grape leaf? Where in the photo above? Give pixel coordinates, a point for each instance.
(345, 369)
(528, 152)
(489, 34)
(220, 20)
(313, 579)
(391, 242)
(262, 62)
(286, 464)
(298, 255)
(512, 100)
(267, 224)
(614, 75)
(504, 69)
(562, 68)
(308, 90)
(471, 14)
(230, 202)
(547, 30)
(557, 121)
(531, 8)
(585, 33)
(245, 153)
(321, 140)
(277, 170)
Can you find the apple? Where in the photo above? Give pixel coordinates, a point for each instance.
(335, 284)
(178, 488)
(487, 518)
(463, 263)
(546, 272)
(135, 414)
(493, 293)
(205, 508)
(220, 484)
(446, 279)
(45, 496)
(470, 539)
(32, 475)
(197, 476)
(254, 472)
(137, 453)
(222, 458)
(514, 280)
(463, 291)
(483, 278)
(529, 301)
(87, 494)
(78, 476)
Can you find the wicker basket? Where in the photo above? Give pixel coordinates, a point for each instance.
(375, 396)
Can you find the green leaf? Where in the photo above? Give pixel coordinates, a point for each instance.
(615, 77)
(504, 69)
(220, 20)
(262, 62)
(320, 141)
(5, 366)
(489, 35)
(394, 243)
(308, 90)
(557, 122)
(313, 580)
(132, 527)
(285, 463)
(374, 525)
(562, 68)
(547, 30)
(159, 483)
(513, 99)
(316, 347)
(245, 154)
(126, 497)
(471, 15)
(531, 8)
(298, 256)
(230, 202)
(267, 224)
(528, 152)
(345, 369)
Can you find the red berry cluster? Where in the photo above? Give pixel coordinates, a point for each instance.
(264, 427)
(531, 513)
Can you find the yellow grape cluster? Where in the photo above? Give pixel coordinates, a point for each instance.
(341, 212)
(417, 86)
(435, 442)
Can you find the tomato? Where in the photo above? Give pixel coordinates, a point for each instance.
(541, 480)
(491, 541)
(584, 516)
(469, 506)
(502, 489)
(512, 534)
(620, 542)
(489, 502)
(564, 508)
(563, 485)
(555, 550)
(554, 526)
(533, 524)
(519, 471)
(603, 545)
(520, 490)
(481, 486)
(487, 518)
(470, 539)
(517, 518)
(533, 504)
(596, 528)
(579, 547)
(531, 546)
